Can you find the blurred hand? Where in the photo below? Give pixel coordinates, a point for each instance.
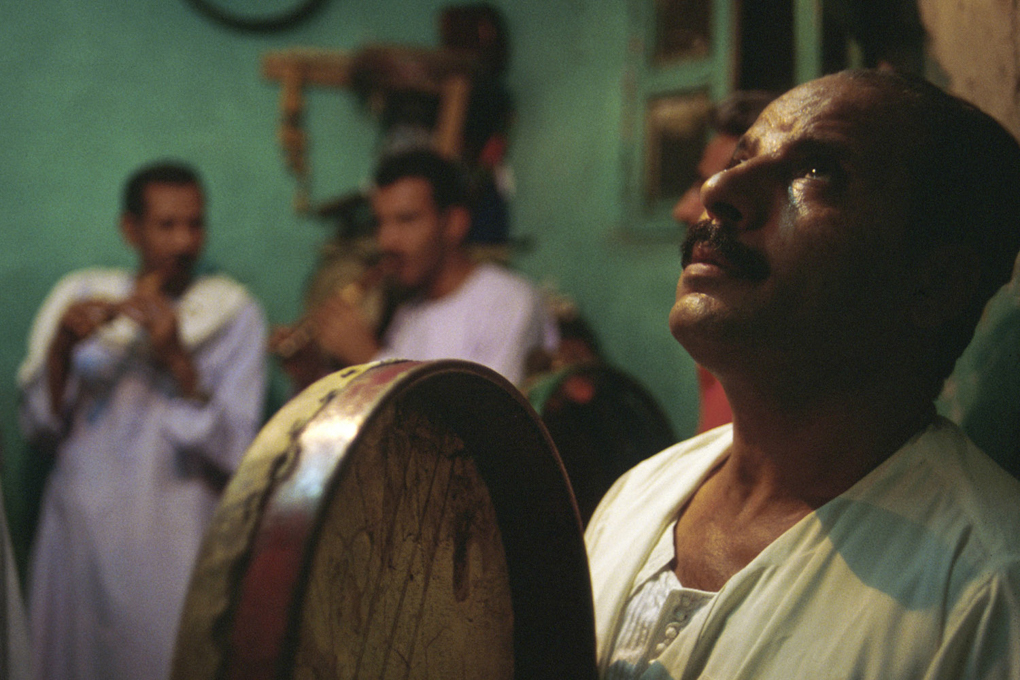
(154, 312)
(82, 318)
(79, 321)
(342, 332)
(299, 355)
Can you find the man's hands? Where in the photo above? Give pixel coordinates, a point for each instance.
(152, 310)
(83, 318)
(335, 334)
(299, 354)
(341, 332)
(154, 313)
(79, 322)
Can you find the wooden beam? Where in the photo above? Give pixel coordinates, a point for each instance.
(315, 67)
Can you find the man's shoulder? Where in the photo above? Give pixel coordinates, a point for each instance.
(637, 509)
(987, 497)
(942, 481)
(104, 283)
(499, 279)
(221, 287)
(211, 304)
(681, 459)
(93, 282)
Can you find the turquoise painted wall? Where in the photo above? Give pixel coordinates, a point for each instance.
(92, 89)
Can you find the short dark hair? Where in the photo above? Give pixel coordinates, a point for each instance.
(964, 181)
(448, 180)
(735, 114)
(160, 172)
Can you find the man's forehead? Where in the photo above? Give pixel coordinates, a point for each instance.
(171, 195)
(834, 109)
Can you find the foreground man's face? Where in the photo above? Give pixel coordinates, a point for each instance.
(804, 248)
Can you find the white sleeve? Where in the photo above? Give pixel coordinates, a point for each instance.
(232, 373)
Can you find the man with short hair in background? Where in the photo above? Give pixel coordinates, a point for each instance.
(146, 387)
(449, 305)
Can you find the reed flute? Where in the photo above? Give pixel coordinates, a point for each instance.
(353, 294)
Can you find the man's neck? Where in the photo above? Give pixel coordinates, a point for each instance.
(151, 281)
(455, 271)
(818, 448)
(783, 464)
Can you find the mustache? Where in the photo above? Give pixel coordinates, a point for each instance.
(746, 262)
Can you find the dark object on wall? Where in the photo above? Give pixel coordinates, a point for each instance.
(888, 32)
(399, 519)
(683, 31)
(374, 73)
(351, 214)
(766, 58)
(255, 17)
(480, 30)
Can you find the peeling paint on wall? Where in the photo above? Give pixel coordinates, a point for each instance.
(977, 45)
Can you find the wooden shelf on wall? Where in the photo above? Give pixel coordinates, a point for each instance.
(315, 67)
(372, 71)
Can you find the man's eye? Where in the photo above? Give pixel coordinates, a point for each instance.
(819, 169)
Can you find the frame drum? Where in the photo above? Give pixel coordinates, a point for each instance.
(394, 520)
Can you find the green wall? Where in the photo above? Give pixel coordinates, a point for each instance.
(92, 89)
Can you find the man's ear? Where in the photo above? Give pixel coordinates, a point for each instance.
(130, 230)
(946, 280)
(457, 225)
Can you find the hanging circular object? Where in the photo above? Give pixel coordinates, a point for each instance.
(394, 520)
(264, 16)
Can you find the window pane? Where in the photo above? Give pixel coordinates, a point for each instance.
(677, 127)
(682, 30)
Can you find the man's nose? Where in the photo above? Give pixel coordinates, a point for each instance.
(187, 238)
(737, 195)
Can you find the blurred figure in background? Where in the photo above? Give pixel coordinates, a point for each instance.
(15, 648)
(602, 420)
(146, 387)
(449, 306)
(983, 394)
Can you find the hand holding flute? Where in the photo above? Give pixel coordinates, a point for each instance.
(332, 335)
(148, 306)
(154, 312)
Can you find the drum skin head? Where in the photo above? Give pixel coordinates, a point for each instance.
(394, 520)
